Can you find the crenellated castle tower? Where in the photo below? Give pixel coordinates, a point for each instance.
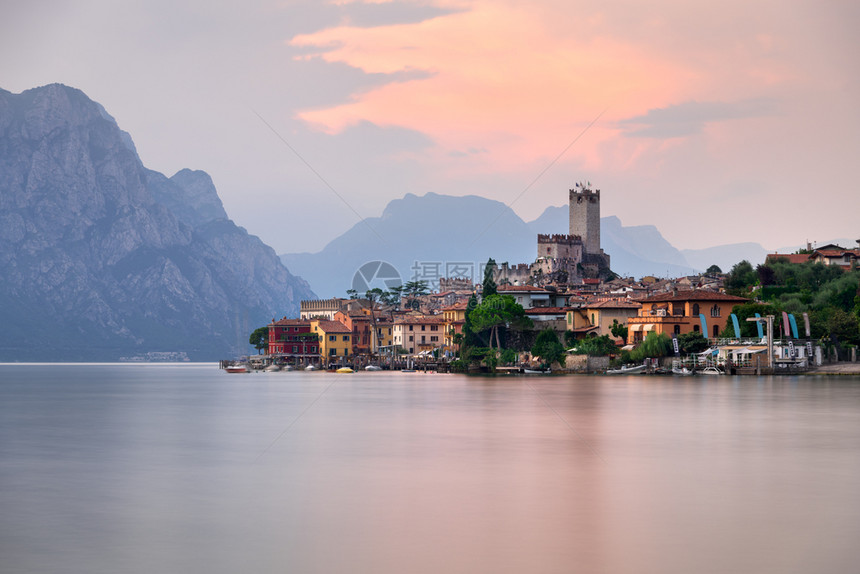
(585, 216)
(566, 259)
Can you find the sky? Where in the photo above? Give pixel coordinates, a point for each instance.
(717, 122)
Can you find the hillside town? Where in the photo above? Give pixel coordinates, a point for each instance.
(570, 292)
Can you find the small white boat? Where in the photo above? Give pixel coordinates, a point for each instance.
(682, 371)
(236, 369)
(272, 368)
(288, 368)
(536, 372)
(310, 368)
(627, 370)
(372, 368)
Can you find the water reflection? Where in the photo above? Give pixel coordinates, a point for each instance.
(143, 469)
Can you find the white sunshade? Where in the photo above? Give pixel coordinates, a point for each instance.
(648, 327)
(636, 327)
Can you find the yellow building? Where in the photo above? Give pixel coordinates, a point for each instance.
(678, 313)
(335, 339)
(455, 318)
(604, 314)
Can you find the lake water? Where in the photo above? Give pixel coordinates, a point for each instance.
(184, 468)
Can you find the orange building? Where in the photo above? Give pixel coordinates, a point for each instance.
(678, 313)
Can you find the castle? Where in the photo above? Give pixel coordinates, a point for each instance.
(566, 259)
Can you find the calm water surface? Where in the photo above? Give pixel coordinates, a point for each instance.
(163, 469)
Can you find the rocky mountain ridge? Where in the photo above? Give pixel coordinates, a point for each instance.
(103, 258)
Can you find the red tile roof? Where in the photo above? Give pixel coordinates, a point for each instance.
(790, 257)
(694, 295)
(458, 306)
(290, 322)
(520, 288)
(334, 327)
(615, 304)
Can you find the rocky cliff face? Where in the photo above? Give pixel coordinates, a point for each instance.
(102, 258)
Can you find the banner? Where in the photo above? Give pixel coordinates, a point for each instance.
(704, 325)
(785, 328)
(806, 324)
(793, 322)
(737, 326)
(675, 345)
(759, 327)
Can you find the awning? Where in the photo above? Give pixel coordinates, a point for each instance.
(636, 327)
(540, 296)
(648, 327)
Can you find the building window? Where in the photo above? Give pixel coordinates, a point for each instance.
(592, 318)
(423, 339)
(715, 311)
(695, 309)
(434, 338)
(677, 330)
(423, 327)
(332, 337)
(295, 349)
(332, 352)
(346, 337)
(695, 328)
(434, 327)
(716, 331)
(411, 338)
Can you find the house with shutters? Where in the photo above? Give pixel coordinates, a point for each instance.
(678, 312)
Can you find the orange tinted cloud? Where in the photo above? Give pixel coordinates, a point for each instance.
(501, 82)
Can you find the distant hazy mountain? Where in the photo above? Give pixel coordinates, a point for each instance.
(725, 256)
(436, 231)
(635, 251)
(103, 258)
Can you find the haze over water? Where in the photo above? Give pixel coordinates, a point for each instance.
(166, 468)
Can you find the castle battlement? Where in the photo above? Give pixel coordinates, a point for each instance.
(559, 238)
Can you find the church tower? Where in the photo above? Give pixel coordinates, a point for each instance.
(585, 216)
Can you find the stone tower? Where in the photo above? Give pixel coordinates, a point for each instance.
(585, 216)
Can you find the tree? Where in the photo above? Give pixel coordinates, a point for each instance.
(766, 275)
(470, 338)
(497, 311)
(259, 339)
(412, 290)
(489, 286)
(741, 277)
(618, 330)
(547, 347)
(596, 346)
(692, 343)
(372, 296)
(654, 345)
(713, 270)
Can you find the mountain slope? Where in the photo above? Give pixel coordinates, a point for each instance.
(103, 258)
(423, 238)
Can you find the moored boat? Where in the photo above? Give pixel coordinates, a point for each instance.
(627, 370)
(344, 370)
(236, 368)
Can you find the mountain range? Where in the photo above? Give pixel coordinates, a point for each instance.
(423, 237)
(103, 258)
